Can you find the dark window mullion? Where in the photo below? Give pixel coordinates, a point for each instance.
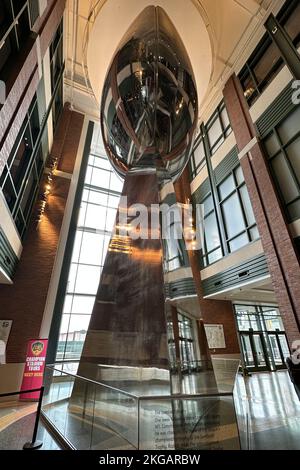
(292, 140)
(279, 191)
(214, 193)
(28, 126)
(228, 195)
(237, 235)
(56, 47)
(213, 250)
(284, 153)
(9, 179)
(5, 168)
(264, 82)
(212, 211)
(293, 174)
(99, 168)
(220, 109)
(32, 201)
(292, 202)
(19, 138)
(237, 192)
(29, 166)
(252, 75)
(219, 139)
(241, 203)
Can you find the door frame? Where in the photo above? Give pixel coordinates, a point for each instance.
(256, 367)
(277, 333)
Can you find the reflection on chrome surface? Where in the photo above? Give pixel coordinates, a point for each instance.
(149, 103)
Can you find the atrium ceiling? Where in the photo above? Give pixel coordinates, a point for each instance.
(218, 35)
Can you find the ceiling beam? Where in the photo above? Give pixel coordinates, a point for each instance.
(250, 6)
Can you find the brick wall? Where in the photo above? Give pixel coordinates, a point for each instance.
(24, 301)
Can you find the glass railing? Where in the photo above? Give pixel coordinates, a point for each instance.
(206, 422)
(88, 414)
(93, 415)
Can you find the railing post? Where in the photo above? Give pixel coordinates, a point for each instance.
(139, 417)
(34, 444)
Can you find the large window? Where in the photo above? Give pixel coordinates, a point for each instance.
(23, 170)
(56, 70)
(231, 227)
(175, 255)
(211, 249)
(100, 198)
(57, 104)
(238, 217)
(212, 135)
(16, 20)
(265, 62)
(283, 148)
(186, 340)
(258, 318)
(198, 157)
(56, 55)
(217, 128)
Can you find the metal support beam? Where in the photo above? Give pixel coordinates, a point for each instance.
(284, 43)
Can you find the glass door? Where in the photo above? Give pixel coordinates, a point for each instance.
(280, 349)
(254, 351)
(247, 350)
(186, 343)
(260, 354)
(263, 339)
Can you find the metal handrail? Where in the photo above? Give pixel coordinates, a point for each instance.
(20, 392)
(131, 395)
(145, 397)
(185, 396)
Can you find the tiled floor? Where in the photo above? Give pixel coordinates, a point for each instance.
(274, 416)
(13, 410)
(17, 434)
(274, 410)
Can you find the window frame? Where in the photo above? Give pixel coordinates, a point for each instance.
(56, 44)
(225, 130)
(203, 137)
(257, 55)
(236, 191)
(205, 253)
(282, 149)
(12, 27)
(66, 342)
(196, 168)
(22, 215)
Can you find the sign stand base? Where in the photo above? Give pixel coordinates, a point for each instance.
(32, 445)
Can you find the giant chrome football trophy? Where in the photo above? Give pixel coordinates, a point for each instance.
(149, 111)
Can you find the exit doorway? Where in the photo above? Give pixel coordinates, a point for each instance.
(262, 338)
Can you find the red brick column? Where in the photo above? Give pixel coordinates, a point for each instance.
(24, 301)
(211, 311)
(276, 239)
(49, 25)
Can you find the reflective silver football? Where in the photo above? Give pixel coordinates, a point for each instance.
(149, 104)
